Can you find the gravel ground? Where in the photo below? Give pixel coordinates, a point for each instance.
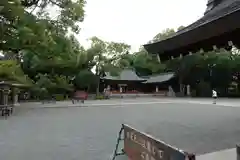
(90, 133)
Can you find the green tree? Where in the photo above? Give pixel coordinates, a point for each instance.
(216, 68)
(38, 40)
(146, 64)
(180, 28)
(163, 35)
(106, 57)
(28, 24)
(53, 84)
(85, 79)
(11, 71)
(65, 57)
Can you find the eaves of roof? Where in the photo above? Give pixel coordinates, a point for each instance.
(226, 8)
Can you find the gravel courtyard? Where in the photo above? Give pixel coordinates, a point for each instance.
(90, 133)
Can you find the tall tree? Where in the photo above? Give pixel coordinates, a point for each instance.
(163, 35)
(180, 28)
(28, 24)
(106, 56)
(166, 33)
(146, 64)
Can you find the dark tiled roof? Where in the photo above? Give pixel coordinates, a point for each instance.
(130, 75)
(12, 83)
(160, 78)
(224, 8)
(125, 75)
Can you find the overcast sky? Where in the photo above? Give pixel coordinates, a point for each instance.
(135, 22)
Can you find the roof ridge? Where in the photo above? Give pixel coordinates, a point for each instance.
(160, 74)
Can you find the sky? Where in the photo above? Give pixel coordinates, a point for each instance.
(135, 22)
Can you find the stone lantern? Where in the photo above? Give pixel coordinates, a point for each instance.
(6, 92)
(14, 94)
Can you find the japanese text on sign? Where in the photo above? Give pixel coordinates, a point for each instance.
(150, 148)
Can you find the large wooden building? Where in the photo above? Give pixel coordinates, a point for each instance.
(129, 82)
(219, 27)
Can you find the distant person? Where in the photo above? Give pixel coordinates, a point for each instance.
(214, 95)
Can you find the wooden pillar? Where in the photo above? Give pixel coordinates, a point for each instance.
(156, 89)
(171, 92)
(238, 152)
(159, 59)
(188, 90)
(2, 97)
(13, 93)
(232, 47)
(214, 47)
(120, 89)
(5, 95)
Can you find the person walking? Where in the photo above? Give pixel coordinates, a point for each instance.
(214, 95)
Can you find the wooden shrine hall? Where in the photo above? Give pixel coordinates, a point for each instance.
(128, 82)
(218, 28)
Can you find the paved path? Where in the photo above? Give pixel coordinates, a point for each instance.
(67, 132)
(228, 154)
(135, 101)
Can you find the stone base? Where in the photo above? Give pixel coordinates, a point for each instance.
(16, 104)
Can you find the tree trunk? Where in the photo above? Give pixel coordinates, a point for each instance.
(88, 87)
(98, 84)
(181, 86)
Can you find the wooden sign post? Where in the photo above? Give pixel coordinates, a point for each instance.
(141, 146)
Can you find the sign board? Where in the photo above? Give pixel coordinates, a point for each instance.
(140, 146)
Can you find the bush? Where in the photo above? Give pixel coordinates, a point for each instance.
(204, 89)
(59, 97)
(193, 93)
(100, 97)
(67, 97)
